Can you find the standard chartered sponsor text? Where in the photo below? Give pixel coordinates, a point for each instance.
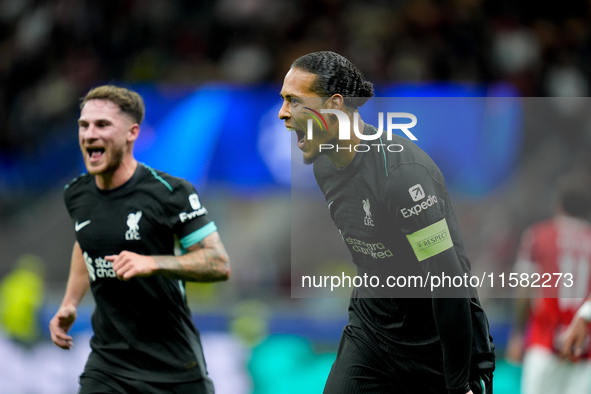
(375, 250)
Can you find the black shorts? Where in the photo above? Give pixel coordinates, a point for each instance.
(93, 382)
(362, 367)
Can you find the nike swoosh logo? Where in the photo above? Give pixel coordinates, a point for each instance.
(80, 226)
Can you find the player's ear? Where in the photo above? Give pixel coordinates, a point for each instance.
(133, 132)
(336, 101)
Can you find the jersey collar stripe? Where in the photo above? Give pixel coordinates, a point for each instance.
(384, 153)
(159, 177)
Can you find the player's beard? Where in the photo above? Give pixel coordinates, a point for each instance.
(118, 155)
(114, 162)
(310, 160)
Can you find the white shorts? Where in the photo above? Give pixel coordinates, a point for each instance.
(544, 372)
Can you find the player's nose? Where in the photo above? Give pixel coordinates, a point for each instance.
(88, 133)
(285, 110)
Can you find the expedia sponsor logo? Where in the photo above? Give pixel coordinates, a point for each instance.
(375, 250)
(416, 192)
(184, 216)
(418, 208)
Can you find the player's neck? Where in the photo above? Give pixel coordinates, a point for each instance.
(114, 179)
(345, 153)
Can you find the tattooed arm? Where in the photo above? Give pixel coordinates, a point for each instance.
(205, 261)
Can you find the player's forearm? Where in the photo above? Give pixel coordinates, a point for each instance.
(454, 324)
(198, 266)
(76, 290)
(453, 318)
(206, 261)
(584, 311)
(78, 282)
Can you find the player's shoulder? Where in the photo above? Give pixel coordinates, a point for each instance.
(161, 181)
(78, 188)
(410, 162)
(79, 182)
(573, 224)
(542, 227)
(541, 233)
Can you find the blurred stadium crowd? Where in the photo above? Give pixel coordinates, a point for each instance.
(53, 51)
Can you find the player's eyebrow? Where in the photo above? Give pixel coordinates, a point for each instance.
(290, 97)
(101, 120)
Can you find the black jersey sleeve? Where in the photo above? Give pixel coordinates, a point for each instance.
(188, 217)
(418, 203)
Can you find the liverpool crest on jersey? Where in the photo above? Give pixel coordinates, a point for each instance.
(368, 219)
(133, 220)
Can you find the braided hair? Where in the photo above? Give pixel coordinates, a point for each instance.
(335, 74)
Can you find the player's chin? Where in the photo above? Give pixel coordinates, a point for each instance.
(310, 157)
(94, 169)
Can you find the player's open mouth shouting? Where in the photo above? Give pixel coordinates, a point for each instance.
(95, 153)
(301, 137)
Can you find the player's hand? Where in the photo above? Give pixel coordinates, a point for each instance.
(572, 347)
(128, 264)
(60, 324)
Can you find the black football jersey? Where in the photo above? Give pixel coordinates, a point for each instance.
(394, 214)
(142, 327)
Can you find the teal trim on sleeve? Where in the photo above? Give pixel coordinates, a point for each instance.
(482, 385)
(183, 290)
(198, 235)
